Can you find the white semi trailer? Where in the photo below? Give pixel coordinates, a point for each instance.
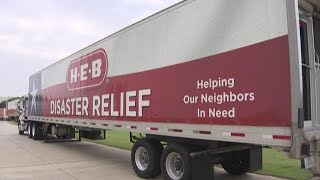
(213, 80)
(11, 109)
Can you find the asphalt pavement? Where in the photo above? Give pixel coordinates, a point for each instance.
(27, 159)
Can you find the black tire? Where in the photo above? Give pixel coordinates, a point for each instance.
(184, 152)
(21, 132)
(34, 131)
(38, 131)
(154, 150)
(30, 129)
(237, 163)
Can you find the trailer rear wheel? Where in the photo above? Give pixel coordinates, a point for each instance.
(237, 163)
(145, 158)
(30, 129)
(175, 162)
(37, 132)
(33, 131)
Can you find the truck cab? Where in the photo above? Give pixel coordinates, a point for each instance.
(22, 108)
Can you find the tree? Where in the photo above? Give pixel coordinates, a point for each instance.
(3, 104)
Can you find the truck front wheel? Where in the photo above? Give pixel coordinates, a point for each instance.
(145, 158)
(175, 162)
(21, 132)
(237, 163)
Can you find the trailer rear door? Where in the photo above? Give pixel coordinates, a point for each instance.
(310, 68)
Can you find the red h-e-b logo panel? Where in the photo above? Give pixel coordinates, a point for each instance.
(87, 71)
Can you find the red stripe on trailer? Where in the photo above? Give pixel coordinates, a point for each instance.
(282, 137)
(175, 130)
(205, 132)
(152, 128)
(133, 127)
(238, 134)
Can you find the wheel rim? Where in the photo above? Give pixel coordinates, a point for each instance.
(142, 158)
(174, 166)
(33, 130)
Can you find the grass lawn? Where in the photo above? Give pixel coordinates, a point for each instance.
(274, 163)
(115, 139)
(277, 164)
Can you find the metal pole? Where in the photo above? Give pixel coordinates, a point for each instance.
(317, 70)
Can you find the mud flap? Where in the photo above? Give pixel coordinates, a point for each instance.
(255, 158)
(202, 167)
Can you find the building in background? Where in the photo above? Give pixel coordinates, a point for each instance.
(4, 98)
(3, 115)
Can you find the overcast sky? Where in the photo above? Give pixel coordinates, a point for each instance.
(35, 34)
